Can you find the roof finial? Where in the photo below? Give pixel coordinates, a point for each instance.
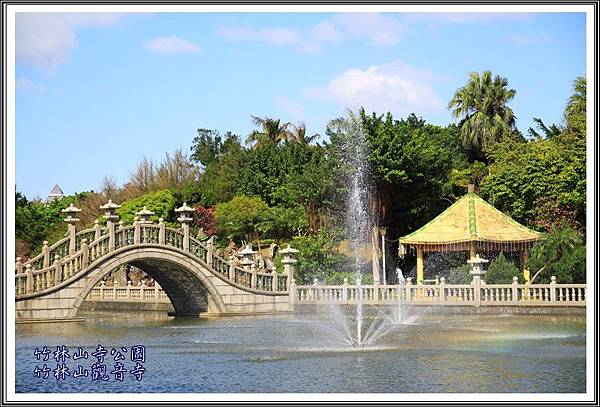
(471, 188)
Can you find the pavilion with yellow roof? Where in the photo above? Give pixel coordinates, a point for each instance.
(473, 225)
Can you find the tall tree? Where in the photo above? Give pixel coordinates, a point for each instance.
(271, 131)
(298, 134)
(481, 106)
(175, 171)
(575, 109)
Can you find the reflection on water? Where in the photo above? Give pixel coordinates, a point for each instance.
(454, 353)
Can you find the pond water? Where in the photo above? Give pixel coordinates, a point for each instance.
(295, 353)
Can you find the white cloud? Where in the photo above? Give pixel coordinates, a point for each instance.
(46, 40)
(294, 108)
(377, 28)
(271, 35)
(396, 87)
(325, 32)
(28, 86)
(462, 17)
(172, 45)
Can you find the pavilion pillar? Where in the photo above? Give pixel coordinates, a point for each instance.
(420, 265)
(522, 262)
(472, 251)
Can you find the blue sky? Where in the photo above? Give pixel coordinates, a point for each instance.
(96, 92)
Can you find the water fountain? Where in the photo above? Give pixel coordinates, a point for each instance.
(358, 227)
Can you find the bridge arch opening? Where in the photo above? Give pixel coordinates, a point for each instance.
(185, 282)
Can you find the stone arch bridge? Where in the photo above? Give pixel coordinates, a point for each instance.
(54, 284)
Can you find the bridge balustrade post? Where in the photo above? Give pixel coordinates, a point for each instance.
(186, 237)
(210, 250)
(85, 258)
(110, 216)
(70, 219)
(345, 291)
(161, 231)
(553, 288)
(254, 277)
(57, 270)
(231, 269)
(18, 266)
(292, 291)
(274, 286)
(185, 219)
(288, 262)
(97, 229)
(29, 281)
(408, 288)
(136, 231)
(46, 252)
(122, 238)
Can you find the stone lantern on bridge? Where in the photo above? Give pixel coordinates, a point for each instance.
(248, 263)
(185, 218)
(247, 256)
(288, 263)
(144, 215)
(111, 216)
(71, 213)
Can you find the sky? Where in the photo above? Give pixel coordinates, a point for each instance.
(96, 92)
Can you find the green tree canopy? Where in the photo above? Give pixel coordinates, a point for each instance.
(482, 107)
(162, 203)
(561, 253)
(501, 271)
(271, 131)
(240, 217)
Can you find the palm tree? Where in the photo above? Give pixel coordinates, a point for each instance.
(299, 134)
(575, 109)
(271, 131)
(482, 107)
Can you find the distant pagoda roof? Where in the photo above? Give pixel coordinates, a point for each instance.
(55, 194)
(471, 220)
(56, 191)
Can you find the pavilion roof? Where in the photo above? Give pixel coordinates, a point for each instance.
(471, 219)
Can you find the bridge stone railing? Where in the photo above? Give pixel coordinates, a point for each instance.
(72, 255)
(128, 293)
(552, 294)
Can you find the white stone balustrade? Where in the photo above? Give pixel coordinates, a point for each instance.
(514, 294)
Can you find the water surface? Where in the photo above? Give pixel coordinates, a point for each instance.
(292, 353)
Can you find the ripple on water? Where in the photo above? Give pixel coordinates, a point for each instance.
(433, 354)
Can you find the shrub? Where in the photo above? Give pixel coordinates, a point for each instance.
(460, 275)
(501, 271)
(205, 218)
(162, 203)
(562, 252)
(240, 217)
(318, 257)
(279, 222)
